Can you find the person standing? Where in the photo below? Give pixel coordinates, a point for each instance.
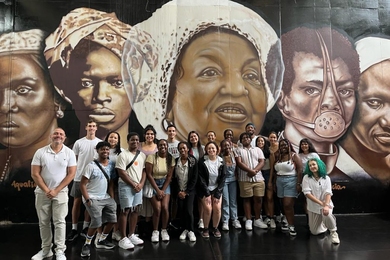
(97, 188)
(250, 161)
(130, 165)
(52, 169)
(172, 142)
(85, 152)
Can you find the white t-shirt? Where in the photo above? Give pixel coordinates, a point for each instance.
(135, 170)
(85, 149)
(97, 185)
(54, 166)
(172, 149)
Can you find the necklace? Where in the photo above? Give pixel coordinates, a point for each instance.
(5, 170)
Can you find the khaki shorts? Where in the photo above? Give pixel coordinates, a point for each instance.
(250, 189)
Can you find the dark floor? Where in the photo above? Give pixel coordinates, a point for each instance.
(362, 237)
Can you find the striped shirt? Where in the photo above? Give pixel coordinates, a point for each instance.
(250, 157)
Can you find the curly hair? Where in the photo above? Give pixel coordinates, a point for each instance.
(265, 149)
(321, 168)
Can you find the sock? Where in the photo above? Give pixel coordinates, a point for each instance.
(88, 240)
(85, 224)
(74, 226)
(103, 237)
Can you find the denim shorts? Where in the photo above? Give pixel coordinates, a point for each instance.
(160, 183)
(286, 186)
(128, 198)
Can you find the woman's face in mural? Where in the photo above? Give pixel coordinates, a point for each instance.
(101, 95)
(372, 123)
(26, 100)
(221, 86)
(305, 96)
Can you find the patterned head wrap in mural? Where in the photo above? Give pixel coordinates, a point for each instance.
(85, 23)
(154, 46)
(30, 41)
(372, 50)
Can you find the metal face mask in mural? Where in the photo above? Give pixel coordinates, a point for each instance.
(328, 123)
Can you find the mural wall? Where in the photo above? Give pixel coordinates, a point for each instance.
(304, 69)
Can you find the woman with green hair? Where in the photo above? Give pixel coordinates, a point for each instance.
(317, 187)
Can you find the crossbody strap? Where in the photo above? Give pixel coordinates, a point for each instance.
(132, 161)
(104, 172)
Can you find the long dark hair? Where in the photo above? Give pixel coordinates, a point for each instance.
(198, 145)
(311, 146)
(118, 145)
(265, 149)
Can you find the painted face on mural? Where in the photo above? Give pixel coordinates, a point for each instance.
(308, 99)
(27, 103)
(100, 91)
(371, 126)
(221, 86)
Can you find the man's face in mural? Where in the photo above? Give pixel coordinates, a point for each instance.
(221, 86)
(371, 126)
(26, 102)
(304, 100)
(101, 94)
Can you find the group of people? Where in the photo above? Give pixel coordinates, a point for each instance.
(116, 185)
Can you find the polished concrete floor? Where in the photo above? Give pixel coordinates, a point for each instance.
(363, 237)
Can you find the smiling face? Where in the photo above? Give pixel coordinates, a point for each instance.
(221, 85)
(101, 95)
(27, 111)
(149, 136)
(305, 147)
(211, 149)
(313, 166)
(371, 126)
(183, 150)
(260, 142)
(304, 101)
(113, 139)
(162, 147)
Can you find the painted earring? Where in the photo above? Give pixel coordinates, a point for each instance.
(59, 113)
(166, 123)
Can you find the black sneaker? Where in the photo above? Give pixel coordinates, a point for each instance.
(86, 250)
(84, 232)
(72, 235)
(105, 244)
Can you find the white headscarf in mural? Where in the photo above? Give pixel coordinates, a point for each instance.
(154, 45)
(85, 23)
(30, 41)
(372, 50)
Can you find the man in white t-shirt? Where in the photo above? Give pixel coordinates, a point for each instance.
(250, 130)
(52, 169)
(130, 165)
(85, 151)
(172, 142)
(97, 187)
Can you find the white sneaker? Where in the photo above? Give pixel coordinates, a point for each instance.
(272, 223)
(40, 255)
(164, 235)
(125, 243)
(236, 224)
(200, 224)
(334, 237)
(259, 223)
(248, 224)
(97, 238)
(116, 236)
(60, 255)
(155, 236)
(191, 236)
(284, 220)
(225, 226)
(135, 240)
(183, 235)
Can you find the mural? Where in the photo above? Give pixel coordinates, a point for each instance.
(303, 69)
